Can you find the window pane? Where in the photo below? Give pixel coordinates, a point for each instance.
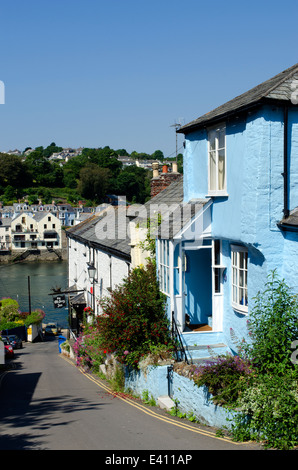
(241, 278)
(221, 169)
(221, 138)
(168, 254)
(211, 137)
(239, 260)
(241, 296)
(168, 281)
(216, 252)
(216, 280)
(235, 276)
(235, 294)
(212, 167)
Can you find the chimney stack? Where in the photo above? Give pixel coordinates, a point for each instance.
(163, 180)
(155, 169)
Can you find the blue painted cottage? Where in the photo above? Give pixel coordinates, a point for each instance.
(238, 217)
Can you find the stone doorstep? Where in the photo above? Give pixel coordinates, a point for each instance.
(165, 402)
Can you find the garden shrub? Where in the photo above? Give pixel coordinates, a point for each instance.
(226, 378)
(268, 411)
(273, 326)
(262, 382)
(134, 318)
(35, 317)
(89, 350)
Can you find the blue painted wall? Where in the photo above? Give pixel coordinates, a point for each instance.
(190, 397)
(254, 206)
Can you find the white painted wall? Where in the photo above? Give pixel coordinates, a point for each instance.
(111, 270)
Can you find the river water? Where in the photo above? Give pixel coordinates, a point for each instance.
(43, 276)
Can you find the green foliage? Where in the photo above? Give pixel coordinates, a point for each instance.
(89, 349)
(117, 381)
(262, 385)
(13, 171)
(34, 318)
(268, 411)
(94, 182)
(11, 316)
(9, 313)
(226, 378)
(273, 326)
(134, 183)
(148, 400)
(134, 317)
(269, 407)
(38, 171)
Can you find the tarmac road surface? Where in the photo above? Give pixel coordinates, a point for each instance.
(47, 403)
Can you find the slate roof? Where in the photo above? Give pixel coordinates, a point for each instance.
(175, 213)
(290, 222)
(5, 221)
(276, 88)
(102, 231)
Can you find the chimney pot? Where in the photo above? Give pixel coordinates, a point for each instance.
(155, 166)
(165, 168)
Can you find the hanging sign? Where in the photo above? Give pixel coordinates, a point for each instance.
(59, 301)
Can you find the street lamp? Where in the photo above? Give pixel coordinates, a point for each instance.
(92, 273)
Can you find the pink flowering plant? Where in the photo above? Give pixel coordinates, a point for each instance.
(89, 350)
(226, 377)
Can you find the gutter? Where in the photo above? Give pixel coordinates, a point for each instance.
(285, 172)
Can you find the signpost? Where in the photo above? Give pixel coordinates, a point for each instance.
(59, 301)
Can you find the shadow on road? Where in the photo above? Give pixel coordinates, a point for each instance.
(25, 419)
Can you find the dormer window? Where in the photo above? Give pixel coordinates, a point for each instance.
(217, 185)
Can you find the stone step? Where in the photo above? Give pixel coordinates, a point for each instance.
(203, 346)
(165, 402)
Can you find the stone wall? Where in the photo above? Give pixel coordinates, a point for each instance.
(189, 397)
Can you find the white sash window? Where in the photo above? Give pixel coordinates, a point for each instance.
(163, 266)
(239, 278)
(217, 161)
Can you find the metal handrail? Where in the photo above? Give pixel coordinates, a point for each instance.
(177, 337)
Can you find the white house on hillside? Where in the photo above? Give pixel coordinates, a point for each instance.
(39, 231)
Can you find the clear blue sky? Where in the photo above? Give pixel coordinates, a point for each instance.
(91, 73)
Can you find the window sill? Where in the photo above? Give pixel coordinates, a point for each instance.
(240, 309)
(165, 293)
(217, 194)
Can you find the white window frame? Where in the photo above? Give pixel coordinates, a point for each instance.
(239, 278)
(164, 266)
(217, 268)
(215, 191)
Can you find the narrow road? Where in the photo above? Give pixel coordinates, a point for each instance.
(46, 403)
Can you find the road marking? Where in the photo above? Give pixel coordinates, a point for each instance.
(148, 411)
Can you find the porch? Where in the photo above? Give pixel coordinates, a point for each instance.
(199, 345)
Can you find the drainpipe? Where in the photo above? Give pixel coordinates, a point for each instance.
(285, 172)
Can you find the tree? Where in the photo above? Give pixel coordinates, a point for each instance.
(134, 183)
(52, 148)
(13, 171)
(94, 182)
(157, 155)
